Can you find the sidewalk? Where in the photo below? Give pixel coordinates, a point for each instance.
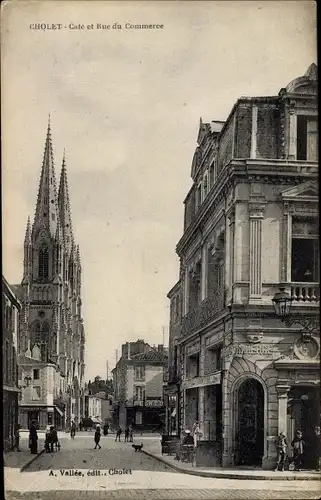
(154, 450)
(22, 459)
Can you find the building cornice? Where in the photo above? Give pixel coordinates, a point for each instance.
(275, 171)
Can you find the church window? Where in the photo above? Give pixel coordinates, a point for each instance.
(36, 333)
(53, 216)
(45, 200)
(43, 263)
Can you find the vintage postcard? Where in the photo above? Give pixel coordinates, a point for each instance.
(160, 286)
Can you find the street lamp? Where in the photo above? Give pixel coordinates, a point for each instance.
(282, 302)
(27, 380)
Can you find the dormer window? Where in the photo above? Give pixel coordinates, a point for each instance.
(307, 138)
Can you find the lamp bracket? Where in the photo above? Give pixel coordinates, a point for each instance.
(309, 325)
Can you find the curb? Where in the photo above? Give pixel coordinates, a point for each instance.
(25, 466)
(230, 475)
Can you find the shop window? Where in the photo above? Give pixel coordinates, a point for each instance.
(139, 418)
(305, 251)
(307, 138)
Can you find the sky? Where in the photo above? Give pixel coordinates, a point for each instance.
(126, 105)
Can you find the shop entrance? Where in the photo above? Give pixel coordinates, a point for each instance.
(250, 423)
(304, 415)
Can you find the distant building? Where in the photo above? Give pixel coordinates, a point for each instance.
(106, 405)
(11, 307)
(93, 408)
(139, 382)
(42, 385)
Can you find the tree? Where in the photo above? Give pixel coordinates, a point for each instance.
(100, 385)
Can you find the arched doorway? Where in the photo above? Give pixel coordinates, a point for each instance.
(250, 423)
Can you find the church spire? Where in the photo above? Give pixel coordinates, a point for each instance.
(64, 207)
(47, 208)
(28, 233)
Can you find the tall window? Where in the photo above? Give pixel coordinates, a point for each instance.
(307, 138)
(305, 250)
(36, 335)
(139, 372)
(43, 263)
(139, 393)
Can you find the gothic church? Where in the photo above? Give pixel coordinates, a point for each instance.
(51, 341)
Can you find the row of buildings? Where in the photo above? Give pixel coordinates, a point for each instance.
(250, 229)
(44, 341)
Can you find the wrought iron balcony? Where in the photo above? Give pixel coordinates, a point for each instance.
(203, 314)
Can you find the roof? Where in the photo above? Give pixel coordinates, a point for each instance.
(25, 360)
(12, 291)
(150, 356)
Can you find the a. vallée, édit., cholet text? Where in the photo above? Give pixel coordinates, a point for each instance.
(93, 26)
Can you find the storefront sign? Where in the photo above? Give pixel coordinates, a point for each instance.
(242, 349)
(213, 379)
(155, 403)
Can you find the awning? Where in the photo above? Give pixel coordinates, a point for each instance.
(58, 410)
(173, 413)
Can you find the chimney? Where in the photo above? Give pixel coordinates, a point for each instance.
(128, 356)
(160, 348)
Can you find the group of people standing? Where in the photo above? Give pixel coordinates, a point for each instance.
(298, 447)
(128, 434)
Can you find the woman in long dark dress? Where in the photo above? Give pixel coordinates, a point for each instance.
(33, 439)
(97, 437)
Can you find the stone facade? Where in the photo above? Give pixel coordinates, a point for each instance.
(51, 318)
(250, 228)
(11, 307)
(139, 379)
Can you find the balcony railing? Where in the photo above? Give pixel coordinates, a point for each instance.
(305, 292)
(206, 311)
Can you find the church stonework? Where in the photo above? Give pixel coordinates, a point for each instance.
(51, 326)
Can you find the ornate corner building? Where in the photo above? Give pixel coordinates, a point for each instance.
(251, 227)
(51, 337)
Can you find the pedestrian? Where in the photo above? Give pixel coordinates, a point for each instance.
(126, 433)
(118, 433)
(80, 426)
(106, 428)
(281, 446)
(97, 437)
(73, 430)
(298, 449)
(53, 438)
(316, 450)
(16, 446)
(33, 438)
(130, 433)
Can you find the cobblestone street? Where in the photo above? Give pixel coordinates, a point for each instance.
(98, 477)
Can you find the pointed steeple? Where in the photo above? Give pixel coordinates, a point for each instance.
(64, 207)
(28, 233)
(47, 215)
(27, 255)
